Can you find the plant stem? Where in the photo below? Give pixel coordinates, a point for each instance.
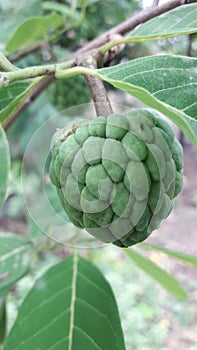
(31, 72)
(6, 64)
(99, 95)
(62, 74)
(98, 92)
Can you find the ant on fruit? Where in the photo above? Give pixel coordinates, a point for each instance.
(68, 132)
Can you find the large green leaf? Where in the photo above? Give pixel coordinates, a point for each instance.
(180, 21)
(70, 307)
(32, 30)
(14, 95)
(166, 83)
(15, 257)
(186, 258)
(5, 164)
(162, 277)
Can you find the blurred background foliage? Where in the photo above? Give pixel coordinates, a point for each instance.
(149, 316)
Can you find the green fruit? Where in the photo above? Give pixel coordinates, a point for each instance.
(67, 93)
(117, 176)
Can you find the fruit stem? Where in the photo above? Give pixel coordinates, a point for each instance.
(97, 89)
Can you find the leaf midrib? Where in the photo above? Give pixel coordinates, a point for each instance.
(13, 252)
(73, 298)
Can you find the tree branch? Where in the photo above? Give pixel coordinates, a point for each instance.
(130, 24)
(30, 49)
(96, 43)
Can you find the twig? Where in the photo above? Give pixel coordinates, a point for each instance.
(6, 65)
(121, 29)
(17, 56)
(32, 72)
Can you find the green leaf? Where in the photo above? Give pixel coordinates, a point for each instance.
(10, 92)
(65, 10)
(14, 95)
(5, 165)
(186, 258)
(13, 13)
(166, 83)
(15, 257)
(180, 21)
(70, 307)
(162, 277)
(32, 30)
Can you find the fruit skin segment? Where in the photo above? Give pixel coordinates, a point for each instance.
(66, 93)
(117, 177)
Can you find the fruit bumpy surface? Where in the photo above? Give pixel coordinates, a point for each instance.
(117, 177)
(67, 93)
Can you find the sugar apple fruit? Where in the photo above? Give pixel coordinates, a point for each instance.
(66, 93)
(117, 177)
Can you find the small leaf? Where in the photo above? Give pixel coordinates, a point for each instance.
(33, 30)
(65, 10)
(166, 83)
(13, 13)
(180, 21)
(13, 96)
(5, 165)
(15, 257)
(188, 259)
(70, 307)
(162, 277)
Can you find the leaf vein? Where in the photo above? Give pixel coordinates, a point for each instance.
(89, 338)
(41, 329)
(73, 298)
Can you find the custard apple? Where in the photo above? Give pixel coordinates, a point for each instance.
(66, 93)
(117, 177)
